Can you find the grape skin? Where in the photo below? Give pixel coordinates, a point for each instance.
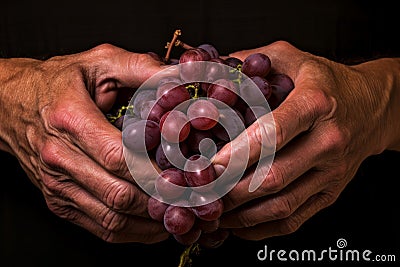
(178, 220)
(203, 114)
(170, 155)
(167, 179)
(174, 126)
(210, 211)
(141, 136)
(171, 94)
(190, 237)
(223, 90)
(211, 50)
(156, 209)
(256, 64)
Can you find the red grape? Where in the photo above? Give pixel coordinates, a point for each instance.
(199, 171)
(202, 114)
(141, 136)
(230, 124)
(256, 64)
(223, 90)
(253, 113)
(281, 86)
(209, 211)
(191, 72)
(174, 126)
(151, 110)
(282, 80)
(140, 98)
(211, 50)
(178, 220)
(156, 209)
(255, 95)
(215, 71)
(170, 155)
(190, 237)
(233, 62)
(170, 94)
(170, 183)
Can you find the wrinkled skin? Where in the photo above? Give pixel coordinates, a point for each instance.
(335, 118)
(52, 120)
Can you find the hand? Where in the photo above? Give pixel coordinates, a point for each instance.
(335, 117)
(53, 121)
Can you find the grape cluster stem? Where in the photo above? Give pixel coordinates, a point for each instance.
(175, 42)
(112, 118)
(185, 258)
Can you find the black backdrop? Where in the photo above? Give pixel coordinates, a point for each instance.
(346, 31)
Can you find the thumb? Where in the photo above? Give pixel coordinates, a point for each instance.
(108, 69)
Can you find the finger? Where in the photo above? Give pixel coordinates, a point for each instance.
(137, 229)
(107, 70)
(116, 193)
(272, 131)
(278, 172)
(69, 201)
(287, 225)
(276, 206)
(127, 69)
(78, 120)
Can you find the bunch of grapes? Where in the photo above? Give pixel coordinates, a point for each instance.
(183, 119)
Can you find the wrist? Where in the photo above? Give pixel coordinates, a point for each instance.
(14, 86)
(383, 80)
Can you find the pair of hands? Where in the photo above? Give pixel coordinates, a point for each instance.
(74, 154)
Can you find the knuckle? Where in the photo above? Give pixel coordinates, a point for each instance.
(62, 210)
(281, 207)
(320, 102)
(266, 134)
(110, 237)
(282, 44)
(113, 157)
(104, 48)
(51, 184)
(64, 119)
(119, 196)
(275, 180)
(338, 174)
(58, 186)
(49, 155)
(245, 220)
(229, 201)
(113, 221)
(327, 198)
(334, 141)
(290, 225)
(317, 104)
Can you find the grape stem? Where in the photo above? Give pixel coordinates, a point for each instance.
(185, 259)
(121, 111)
(193, 90)
(238, 69)
(175, 42)
(169, 45)
(183, 45)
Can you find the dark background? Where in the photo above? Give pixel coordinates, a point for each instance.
(347, 31)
